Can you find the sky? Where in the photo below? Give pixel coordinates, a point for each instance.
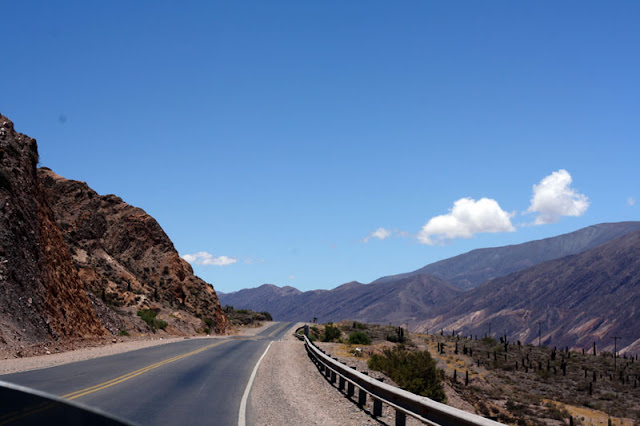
(315, 143)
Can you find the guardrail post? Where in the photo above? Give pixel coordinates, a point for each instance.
(401, 418)
(341, 383)
(333, 373)
(377, 404)
(350, 389)
(362, 395)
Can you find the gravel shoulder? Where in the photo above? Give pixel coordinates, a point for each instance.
(290, 390)
(100, 348)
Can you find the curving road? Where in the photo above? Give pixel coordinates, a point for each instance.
(191, 382)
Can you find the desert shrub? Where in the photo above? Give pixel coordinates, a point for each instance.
(245, 316)
(208, 321)
(123, 332)
(394, 338)
(149, 316)
(207, 330)
(358, 326)
(489, 340)
(267, 316)
(359, 338)
(331, 333)
(415, 372)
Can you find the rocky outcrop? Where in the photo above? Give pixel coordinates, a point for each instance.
(76, 266)
(41, 294)
(125, 258)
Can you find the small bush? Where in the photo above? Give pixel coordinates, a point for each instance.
(161, 324)
(359, 338)
(331, 333)
(358, 326)
(123, 332)
(394, 338)
(149, 316)
(415, 372)
(208, 321)
(207, 330)
(489, 341)
(267, 316)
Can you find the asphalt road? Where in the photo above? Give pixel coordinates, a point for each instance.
(192, 382)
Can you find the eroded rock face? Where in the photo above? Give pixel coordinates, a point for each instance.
(125, 258)
(41, 294)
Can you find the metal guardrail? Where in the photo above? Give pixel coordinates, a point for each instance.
(405, 403)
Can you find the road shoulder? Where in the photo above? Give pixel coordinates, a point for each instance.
(288, 389)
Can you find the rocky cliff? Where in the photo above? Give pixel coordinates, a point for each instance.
(41, 295)
(77, 265)
(125, 258)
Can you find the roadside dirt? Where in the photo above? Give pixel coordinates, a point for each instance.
(289, 389)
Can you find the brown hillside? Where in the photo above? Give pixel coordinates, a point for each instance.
(124, 257)
(577, 300)
(41, 295)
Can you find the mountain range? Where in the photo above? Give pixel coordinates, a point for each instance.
(575, 287)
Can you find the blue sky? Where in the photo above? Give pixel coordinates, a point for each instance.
(277, 136)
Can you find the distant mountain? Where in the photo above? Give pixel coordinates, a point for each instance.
(464, 271)
(471, 269)
(261, 299)
(395, 302)
(509, 300)
(577, 299)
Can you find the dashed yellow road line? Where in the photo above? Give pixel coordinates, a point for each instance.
(125, 377)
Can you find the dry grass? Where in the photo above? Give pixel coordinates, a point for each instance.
(522, 395)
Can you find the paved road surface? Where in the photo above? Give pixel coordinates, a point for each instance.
(192, 382)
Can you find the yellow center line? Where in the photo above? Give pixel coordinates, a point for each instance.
(125, 377)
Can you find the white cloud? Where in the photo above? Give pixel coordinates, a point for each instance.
(380, 233)
(291, 277)
(631, 201)
(204, 258)
(467, 217)
(553, 197)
